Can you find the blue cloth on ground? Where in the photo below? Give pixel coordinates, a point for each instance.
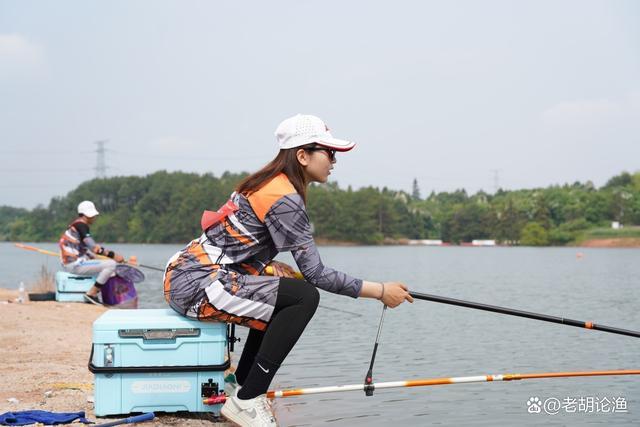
(23, 418)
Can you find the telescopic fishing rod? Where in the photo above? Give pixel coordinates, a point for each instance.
(268, 270)
(369, 386)
(273, 394)
(512, 312)
(126, 270)
(46, 252)
(527, 314)
(444, 381)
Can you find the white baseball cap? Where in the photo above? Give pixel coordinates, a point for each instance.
(87, 209)
(303, 129)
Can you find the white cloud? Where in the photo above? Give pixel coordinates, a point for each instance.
(16, 50)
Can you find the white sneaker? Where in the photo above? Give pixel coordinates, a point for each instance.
(254, 412)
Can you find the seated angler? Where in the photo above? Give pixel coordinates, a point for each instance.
(79, 252)
(218, 276)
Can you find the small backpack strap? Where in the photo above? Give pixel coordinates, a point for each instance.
(210, 218)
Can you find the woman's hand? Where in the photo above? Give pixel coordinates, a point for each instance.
(118, 258)
(394, 293)
(391, 294)
(281, 269)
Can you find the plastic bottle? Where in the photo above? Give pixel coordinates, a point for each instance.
(22, 295)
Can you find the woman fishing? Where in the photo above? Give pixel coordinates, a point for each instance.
(217, 277)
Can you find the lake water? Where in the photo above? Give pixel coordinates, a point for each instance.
(429, 340)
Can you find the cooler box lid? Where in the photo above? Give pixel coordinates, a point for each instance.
(67, 282)
(157, 337)
(151, 319)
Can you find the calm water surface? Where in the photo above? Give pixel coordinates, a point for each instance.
(427, 340)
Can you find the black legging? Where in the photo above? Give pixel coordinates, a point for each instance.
(296, 303)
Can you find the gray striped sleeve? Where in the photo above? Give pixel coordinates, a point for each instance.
(289, 226)
(315, 272)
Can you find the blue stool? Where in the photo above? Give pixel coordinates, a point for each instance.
(71, 287)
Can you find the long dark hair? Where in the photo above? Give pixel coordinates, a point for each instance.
(285, 162)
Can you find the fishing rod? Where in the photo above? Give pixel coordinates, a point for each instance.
(126, 270)
(269, 270)
(136, 264)
(368, 379)
(272, 394)
(131, 262)
(527, 314)
(510, 311)
(369, 386)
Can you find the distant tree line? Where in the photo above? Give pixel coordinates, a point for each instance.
(166, 207)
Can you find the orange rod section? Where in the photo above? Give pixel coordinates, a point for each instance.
(286, 393)
(436, 381)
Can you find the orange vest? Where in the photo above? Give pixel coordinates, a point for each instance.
(260, 201)
(71, 246)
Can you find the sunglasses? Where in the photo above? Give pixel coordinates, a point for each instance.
(330, 153)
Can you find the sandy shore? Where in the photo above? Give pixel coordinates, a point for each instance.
(619, 242)
(44, 351)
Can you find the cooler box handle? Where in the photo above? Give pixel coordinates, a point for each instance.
(153, 369)
(158, 334)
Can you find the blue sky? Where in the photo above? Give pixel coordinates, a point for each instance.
(545, 92)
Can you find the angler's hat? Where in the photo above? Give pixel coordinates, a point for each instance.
(87, 209)
(303, 129)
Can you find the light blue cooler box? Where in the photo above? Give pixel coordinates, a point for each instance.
(156, 360)
(71, 287)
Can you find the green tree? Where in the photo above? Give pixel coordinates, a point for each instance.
(623, 180)
(509, 220)
(415, 190)
(534, 234)
(166, 207)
